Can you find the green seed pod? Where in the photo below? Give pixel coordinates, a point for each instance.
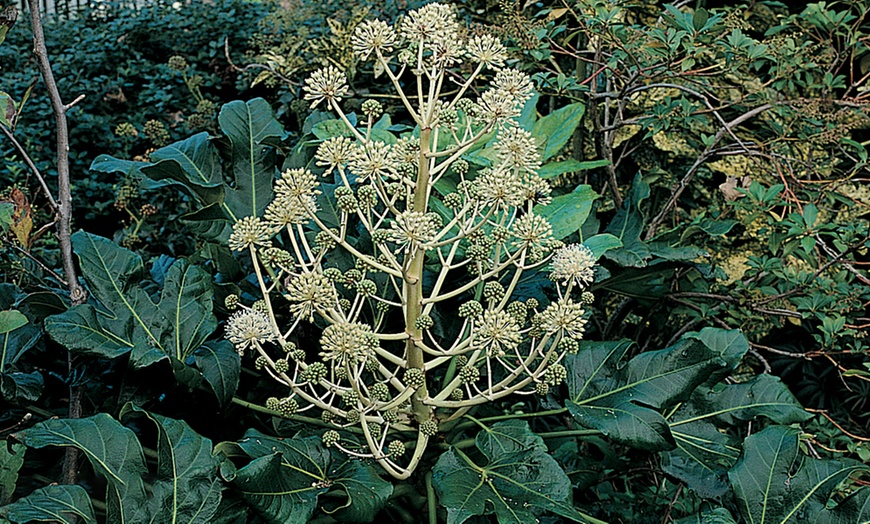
(493, 291)
(350, 398)
(314, 373)
(472, 308)
(231, 302)
(380, 392)
(272, 403)
(352, 416)
(542, 388)
(261, 362)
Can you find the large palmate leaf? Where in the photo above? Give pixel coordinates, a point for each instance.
(705, 452)
(519, 480)
(287, 476)
(59, 504)
(187, 489)
(251, 129)
(623, 401)
(221, 366)
(774, 482)
(127, 318)
(113, 451)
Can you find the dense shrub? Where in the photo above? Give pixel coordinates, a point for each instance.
(117, 57)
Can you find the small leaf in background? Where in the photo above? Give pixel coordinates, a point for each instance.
(113, 451)
(11, 460)
(60, 504)
(518, 480)
(774, 482)
(21, 387)
(7, 104)
(600, 244)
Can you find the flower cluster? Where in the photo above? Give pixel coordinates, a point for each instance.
(406, 251)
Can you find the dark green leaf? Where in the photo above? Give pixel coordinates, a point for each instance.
(175, 326)
(187, 489)
(567, 213)
(21, 387)
(11, 460)
(253, 132)
(600, 244)
(113, 451)
(61, 504)
(774, 482)
(713, 516)
(15, 342)
(705, 451)
(622, 401)
(554, 130)
(220, 365)
(627, 226)
(302, 471)
(519, 479)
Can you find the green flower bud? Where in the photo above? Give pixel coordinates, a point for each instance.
(396, 448)
(380, 392)
(282, 366)
(424, 322)
(472, 308)
(469, 374)
(415, 378)
(429, 428)
(331, 438)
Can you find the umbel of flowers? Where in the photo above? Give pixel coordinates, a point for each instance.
(427, 322)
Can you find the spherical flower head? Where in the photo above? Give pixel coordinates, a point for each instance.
(536, 189)
(574, 262)
(351, 342)
(565, 316)
(487, 50)
(497, 107)
(249, 231)
(515, 83)
(431, 23)
(412, 229)
(177, 63)
(248, 327)
(372, 36)
(499, 187)
(533, 231)
(297, 183)
(396, 448)
(286, 209)
(497, 333)
(516, 148)
(372, 160)
(327, 83)
(310, 292)
(334, 152)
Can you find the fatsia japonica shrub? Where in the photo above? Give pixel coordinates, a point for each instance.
(413, 275)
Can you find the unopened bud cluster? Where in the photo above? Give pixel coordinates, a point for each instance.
(396, 252)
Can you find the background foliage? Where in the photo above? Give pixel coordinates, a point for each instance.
(717, 153)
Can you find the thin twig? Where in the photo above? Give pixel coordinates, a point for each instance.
(31, 166)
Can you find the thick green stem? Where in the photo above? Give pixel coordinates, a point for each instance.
(413, 283)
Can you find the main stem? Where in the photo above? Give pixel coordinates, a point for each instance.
(64, 216)
(413, 282)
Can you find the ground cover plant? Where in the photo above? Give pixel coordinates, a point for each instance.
(570, 262)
